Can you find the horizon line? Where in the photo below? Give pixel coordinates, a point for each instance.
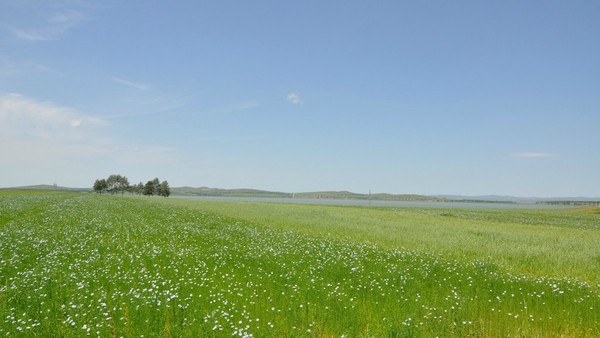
(448, 196)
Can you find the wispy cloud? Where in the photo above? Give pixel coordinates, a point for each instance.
(33, 130)
(30, 35)
(231, 108)
(529, 154)
(177, 108)
(241, 106)
(135, 85)
(11, 67)
(294, 98)
(20, 114)
(49, 26)
(45, 139)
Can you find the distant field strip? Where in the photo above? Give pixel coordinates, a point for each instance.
(73, 265)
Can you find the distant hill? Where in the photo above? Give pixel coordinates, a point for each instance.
(346, 195)
(515, 199)
(49, 187)
(339, 195)
(205, 191)
(216, 192)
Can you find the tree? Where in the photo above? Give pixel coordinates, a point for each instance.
(100, 186)
(117, 183)
(149, 189)
(138, 189)
(164, 190)
(156, 183)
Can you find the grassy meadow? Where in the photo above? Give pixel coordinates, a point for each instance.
(75, 265)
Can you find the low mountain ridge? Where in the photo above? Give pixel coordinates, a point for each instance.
(340, 195)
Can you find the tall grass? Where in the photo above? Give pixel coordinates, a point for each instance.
(551, 243)
(74, 265)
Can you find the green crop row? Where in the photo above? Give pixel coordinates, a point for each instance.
(549, 243)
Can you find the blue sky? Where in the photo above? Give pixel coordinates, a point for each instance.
(427, 97)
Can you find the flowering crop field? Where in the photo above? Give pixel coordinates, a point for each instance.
(75, 265)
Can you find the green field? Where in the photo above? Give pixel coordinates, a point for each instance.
(76, 264)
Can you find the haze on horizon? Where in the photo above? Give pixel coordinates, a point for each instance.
(462, 98)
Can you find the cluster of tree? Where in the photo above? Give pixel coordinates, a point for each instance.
(115, 184)
(154, 187)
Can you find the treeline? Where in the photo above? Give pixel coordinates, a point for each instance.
(118, 184)
(570, 202)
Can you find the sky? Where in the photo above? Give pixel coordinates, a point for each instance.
(405, 97)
